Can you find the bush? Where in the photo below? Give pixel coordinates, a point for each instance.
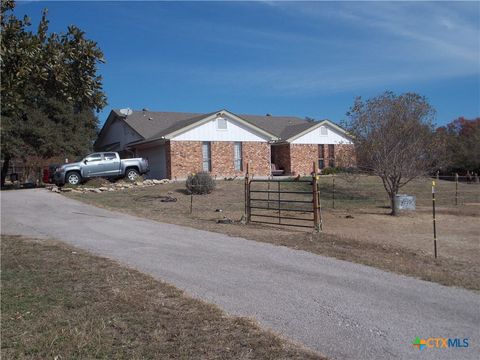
(330, 170)
(200, 183)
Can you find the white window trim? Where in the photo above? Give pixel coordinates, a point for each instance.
(326, 130)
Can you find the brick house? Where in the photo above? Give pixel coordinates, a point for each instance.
(222, 143)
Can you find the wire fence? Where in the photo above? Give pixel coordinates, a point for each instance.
(367, 191)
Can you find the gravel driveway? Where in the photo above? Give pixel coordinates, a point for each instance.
(340, 309)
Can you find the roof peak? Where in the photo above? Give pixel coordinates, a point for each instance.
(151, 124)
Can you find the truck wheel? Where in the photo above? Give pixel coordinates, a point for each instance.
(132, 174)
(73, 178)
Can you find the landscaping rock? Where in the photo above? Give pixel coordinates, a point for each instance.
(64, 189)
(55, 189)
(103, 188)
(225, 220)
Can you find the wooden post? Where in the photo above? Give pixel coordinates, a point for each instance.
(279, 204)
(434, 221)
(316, 218)
(268, 193)
(191, 202)
(247, 195)
(456, 189)
(333, 191)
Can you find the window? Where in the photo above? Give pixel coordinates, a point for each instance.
(323, 130)
(237, 156)
(206, 156)
(331, 155)
(93, 157)
(110, 156)
(321, 159)
(221, 124)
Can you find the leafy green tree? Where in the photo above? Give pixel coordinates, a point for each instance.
(50, 89)
(461, 144)
(394, 138)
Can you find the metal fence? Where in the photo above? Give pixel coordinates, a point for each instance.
(287, 202)
(343, 191)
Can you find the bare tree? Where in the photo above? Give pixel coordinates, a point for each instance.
(394, 138)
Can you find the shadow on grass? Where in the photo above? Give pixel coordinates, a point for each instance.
(26, 186)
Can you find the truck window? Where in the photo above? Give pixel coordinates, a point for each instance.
(110, 156)
(94, 157)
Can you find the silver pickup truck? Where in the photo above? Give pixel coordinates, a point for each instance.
(101, 164)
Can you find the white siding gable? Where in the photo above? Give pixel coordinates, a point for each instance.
(315, 136)
(210, 131)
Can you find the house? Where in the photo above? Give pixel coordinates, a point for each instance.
(222, 143)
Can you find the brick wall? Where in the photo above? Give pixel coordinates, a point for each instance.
(257, 154)
(185, 157)
(281, 157)
(222, 159)
(302, 157)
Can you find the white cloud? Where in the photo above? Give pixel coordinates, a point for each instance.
(388, 44)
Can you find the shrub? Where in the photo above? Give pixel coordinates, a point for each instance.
(200, 183)
(330, 171)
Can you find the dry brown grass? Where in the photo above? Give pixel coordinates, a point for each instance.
(62, 303)
(359, 230)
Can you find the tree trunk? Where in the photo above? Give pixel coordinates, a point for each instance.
(392, 205)
(5, 166)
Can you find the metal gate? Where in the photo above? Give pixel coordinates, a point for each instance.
(287, 202)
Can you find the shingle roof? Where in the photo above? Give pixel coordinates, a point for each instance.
(155, 124)
(283, 127)
(150, 123)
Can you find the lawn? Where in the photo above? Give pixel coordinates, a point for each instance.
(359, 229)
(59, 302)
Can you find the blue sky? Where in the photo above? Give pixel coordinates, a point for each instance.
(283, 58)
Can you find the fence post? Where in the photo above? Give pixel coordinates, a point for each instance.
(279, 204)
(247, 196)
(456, 189)
(434, 221)
(333, 190)
(268, 193)
(316, 220)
